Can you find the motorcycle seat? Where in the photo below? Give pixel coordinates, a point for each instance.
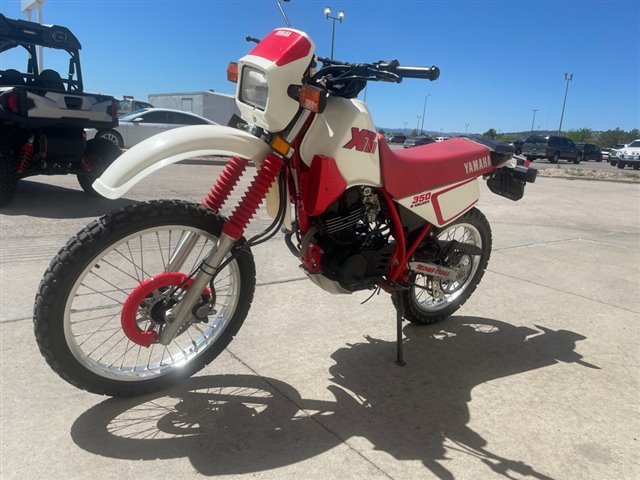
(406, 172)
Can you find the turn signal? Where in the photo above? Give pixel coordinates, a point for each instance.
(313, 98)
(280, 146)
(232, 72)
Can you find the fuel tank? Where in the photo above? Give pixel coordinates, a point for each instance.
(346, 133)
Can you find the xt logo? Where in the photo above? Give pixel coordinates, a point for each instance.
(362, 140)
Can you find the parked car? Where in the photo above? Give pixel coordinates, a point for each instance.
(629, 156)
(606, 154)
(416, 141)
(553, 147)
(441, 139)
(613, 157)
(138, 126)
(126, 106)
(517, 146)
(590, 152)
(43, 114)
(398, 139)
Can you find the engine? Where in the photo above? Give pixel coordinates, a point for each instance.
(353, 237)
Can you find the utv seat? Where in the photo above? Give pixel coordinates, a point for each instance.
(11, 77)
(49, 80)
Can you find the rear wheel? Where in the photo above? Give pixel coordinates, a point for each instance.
(620, 164)
(432, 299)
(555, 158)
(8, 178)
(99, 154)
(577, 159)
(103, 277)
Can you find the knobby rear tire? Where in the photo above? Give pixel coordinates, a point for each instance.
(419, 315)
(90, 246)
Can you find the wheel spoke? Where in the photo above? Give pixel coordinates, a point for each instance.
(93, 314)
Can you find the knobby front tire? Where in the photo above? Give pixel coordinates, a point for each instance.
(77, 316)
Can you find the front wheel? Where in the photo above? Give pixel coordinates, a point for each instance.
(431, 299)
(555, 158)
(79, 314)
(98, 155)
(577, 159)
(620, 164)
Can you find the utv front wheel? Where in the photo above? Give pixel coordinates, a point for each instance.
(99, 154)
(8, 177)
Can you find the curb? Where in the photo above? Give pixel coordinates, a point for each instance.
(610, 180)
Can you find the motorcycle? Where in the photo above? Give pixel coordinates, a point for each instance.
(149, 294)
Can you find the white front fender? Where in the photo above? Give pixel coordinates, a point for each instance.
(171, 147)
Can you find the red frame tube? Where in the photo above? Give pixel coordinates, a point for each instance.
(401, 255)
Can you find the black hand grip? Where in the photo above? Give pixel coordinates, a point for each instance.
(428, 73)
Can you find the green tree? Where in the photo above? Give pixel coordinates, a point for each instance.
(491, 133)
(633, 135)
(580, 135)
(610, 138)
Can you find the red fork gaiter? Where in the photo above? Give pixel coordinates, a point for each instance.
(227, 180)
(254, 196)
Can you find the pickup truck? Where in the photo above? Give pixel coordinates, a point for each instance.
(629, 156)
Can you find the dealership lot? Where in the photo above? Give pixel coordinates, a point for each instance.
(536, 376)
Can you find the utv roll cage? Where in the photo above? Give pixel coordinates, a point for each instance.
(29, 35)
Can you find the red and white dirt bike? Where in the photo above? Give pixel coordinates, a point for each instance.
(151, 293)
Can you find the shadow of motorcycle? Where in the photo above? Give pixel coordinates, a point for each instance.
(233, 424)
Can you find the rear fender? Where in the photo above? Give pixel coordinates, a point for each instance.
(173, 146)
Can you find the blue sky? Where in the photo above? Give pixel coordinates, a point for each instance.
(499, 59)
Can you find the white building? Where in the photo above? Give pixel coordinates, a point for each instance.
(218, 107)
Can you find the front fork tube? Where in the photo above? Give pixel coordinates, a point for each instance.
(184, 309)
(232, 231)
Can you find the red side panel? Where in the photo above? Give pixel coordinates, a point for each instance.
(282, 46)
(413, 170)
(322, 185)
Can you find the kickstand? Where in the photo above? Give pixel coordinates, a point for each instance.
(399, 317)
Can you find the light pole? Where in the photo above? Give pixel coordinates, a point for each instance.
(568, 77)
(418, 125)
(424, 108)
(466, 128)
(327, 14)
(534, 110)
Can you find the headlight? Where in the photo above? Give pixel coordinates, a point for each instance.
(254, 89)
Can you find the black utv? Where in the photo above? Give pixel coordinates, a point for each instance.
(43, 114)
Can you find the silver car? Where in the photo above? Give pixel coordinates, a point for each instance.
(142, 124)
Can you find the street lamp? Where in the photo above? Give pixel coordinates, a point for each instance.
(424, 108)
(568, 77)
(419, 117)
(340, 17)
(534, 110)
(466, 128)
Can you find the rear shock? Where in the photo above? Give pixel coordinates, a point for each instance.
(225, 183)
(250, 202)
(26, 155)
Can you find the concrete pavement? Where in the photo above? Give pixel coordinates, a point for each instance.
(535, 377)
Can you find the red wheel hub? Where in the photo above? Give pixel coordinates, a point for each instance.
(135, 300)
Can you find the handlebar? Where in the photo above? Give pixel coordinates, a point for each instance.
(427, 73)
(392, 67)
(348, 79)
